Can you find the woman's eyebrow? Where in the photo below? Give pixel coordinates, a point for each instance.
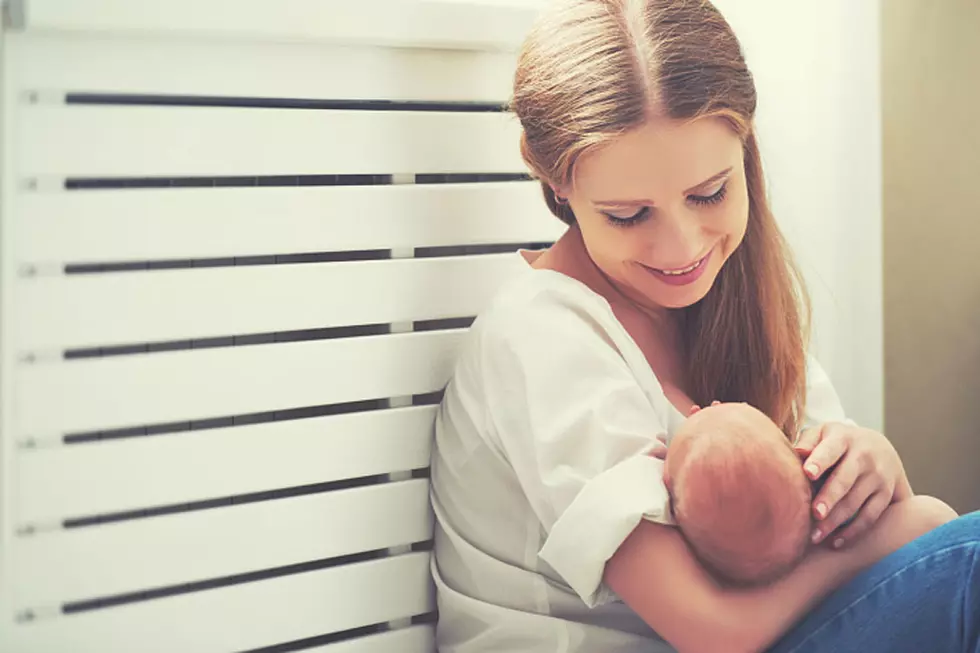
(710, 180)
(690, 191)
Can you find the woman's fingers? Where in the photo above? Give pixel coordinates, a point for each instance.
(849, 504)
(836, 487)
(864, 520)
(807, 442)
(831, 448)
(857, 468)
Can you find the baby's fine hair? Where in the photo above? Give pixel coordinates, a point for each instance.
(743, 504)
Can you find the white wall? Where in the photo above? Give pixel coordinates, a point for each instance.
(817, 69)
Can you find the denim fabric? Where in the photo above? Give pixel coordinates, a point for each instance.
(924, 598)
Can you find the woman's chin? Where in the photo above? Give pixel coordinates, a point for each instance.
(683, 302)
(675, 297)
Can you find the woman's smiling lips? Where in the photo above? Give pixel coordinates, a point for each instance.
(682, 276)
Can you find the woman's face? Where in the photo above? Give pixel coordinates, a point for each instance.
(662, 207)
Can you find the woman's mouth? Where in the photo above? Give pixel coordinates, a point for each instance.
(682, 276)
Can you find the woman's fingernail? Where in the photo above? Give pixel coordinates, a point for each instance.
(816, 536)
(812, 470)
(839, 542)
(821, 510)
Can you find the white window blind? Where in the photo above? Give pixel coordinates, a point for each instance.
(240, 244)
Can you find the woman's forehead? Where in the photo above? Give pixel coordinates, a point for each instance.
(662, 156)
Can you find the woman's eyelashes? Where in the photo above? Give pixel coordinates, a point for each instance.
(626, 221)
(698, 200)
(714, 198)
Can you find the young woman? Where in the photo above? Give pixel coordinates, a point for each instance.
(671, 287)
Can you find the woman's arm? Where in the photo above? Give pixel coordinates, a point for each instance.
(655, 573)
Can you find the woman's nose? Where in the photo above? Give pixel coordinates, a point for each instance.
(677, 238)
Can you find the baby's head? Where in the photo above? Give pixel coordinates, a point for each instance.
(739, 494)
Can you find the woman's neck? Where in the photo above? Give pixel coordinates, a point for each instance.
(570, 257)
(656, 330)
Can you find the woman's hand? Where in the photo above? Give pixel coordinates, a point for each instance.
(867, 476)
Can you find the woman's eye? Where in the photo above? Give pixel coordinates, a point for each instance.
(714, 198)
(627, 220)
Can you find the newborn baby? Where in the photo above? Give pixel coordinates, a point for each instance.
(739, 494)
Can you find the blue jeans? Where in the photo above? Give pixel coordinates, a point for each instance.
(924, 598)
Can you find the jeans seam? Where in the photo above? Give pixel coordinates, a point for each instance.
(878, 586)
(967, 599)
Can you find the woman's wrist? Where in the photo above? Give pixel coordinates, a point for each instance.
(903, 489)
(824, 569)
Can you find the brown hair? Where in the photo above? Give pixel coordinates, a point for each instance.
(591, 70)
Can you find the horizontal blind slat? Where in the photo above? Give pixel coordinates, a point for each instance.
(96, 394)
(261, 613)
(129, 556)
(127, 141)
(416, 639)
(55, 483)
(192, 223)
(281, 70)
(89, 310)
(416, 23)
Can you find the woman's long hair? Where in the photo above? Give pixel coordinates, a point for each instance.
(592, 70)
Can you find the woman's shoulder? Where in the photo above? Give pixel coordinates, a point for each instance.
(543, 301)
(544, 330)
(545, 319)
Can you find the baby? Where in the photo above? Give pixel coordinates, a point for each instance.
(739, 494)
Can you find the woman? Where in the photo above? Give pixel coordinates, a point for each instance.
(671, 287)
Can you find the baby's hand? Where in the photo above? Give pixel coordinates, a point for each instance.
(695, 408)
(660, 448)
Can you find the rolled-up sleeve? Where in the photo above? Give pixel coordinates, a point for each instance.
(603, 514)
(577, 429)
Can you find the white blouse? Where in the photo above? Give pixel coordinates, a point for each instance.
(540, 471)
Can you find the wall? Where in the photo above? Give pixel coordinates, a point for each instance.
(931, 64)
(817, 69)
